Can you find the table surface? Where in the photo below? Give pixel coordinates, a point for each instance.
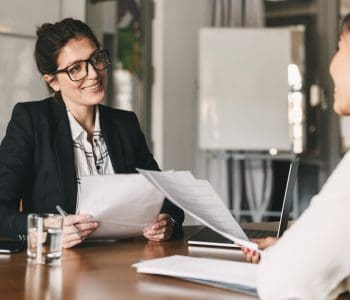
(104, 271)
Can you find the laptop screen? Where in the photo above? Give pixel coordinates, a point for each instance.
(207, 237)
(288, 197)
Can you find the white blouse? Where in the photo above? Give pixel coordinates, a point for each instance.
(312, 259)
(89, 159)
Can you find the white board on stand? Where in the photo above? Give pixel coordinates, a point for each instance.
(243, 89)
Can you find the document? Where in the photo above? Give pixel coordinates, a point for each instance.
(123, 204)
(199, 199)
(232, 275)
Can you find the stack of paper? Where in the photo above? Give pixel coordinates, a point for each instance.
(124, 204)
(199, 199)
(237, 276)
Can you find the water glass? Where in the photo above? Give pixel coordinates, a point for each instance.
(44, 238)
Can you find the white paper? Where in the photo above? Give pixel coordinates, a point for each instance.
(123, 204)
(199, 199)
(238, 275)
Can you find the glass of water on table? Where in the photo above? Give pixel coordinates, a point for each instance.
(44, 238)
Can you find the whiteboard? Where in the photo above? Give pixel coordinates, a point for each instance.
(243, 88)
(19, 78)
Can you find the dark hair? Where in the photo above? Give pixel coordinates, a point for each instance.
(345, 24)
(51, 38)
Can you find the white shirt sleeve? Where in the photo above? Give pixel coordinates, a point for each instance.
(312, 259)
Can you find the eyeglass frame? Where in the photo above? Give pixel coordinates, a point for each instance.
(87, 61)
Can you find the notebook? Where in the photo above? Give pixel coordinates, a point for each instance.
(209, 238)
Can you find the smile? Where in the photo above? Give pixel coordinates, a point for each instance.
(95, 87)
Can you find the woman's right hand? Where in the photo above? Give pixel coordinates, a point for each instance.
(253, 256)
(84, 226)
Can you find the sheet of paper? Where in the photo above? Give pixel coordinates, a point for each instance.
(226, 286)
(199, 199)
(222, 273)
(123, 204)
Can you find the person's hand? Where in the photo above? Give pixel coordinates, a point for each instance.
(161, 229)
(74, 236)
(253, 256)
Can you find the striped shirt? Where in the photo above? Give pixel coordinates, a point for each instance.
(89, 159)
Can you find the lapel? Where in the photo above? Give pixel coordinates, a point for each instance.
(62, 138)
(112, 136)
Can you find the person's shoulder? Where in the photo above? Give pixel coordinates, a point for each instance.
(116, 113)
(36, 111)
(36, 105)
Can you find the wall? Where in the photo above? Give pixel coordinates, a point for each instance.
(174, 102)
(175, 58)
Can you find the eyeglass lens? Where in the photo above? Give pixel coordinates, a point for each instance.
(79, 70)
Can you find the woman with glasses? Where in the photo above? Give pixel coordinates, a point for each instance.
(50, 144)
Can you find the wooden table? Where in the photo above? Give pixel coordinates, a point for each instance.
(103, 271)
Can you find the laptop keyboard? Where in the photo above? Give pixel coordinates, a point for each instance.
(208, 234)
(256, 234)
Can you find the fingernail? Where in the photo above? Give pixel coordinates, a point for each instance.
(254, 253)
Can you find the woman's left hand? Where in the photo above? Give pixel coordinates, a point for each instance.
(253, 256)
(161, 229)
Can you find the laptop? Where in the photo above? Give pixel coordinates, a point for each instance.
(209, 238)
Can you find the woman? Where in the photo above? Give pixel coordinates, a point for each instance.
(312, 259)
(50, 144)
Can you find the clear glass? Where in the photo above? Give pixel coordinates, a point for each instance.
(44, 239)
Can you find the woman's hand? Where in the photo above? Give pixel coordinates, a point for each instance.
(161, 229)
(253, 256)
(73, 236)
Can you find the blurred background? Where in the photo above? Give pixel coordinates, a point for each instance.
(232, 90)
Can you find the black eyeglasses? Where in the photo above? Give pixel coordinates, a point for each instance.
(79, 70)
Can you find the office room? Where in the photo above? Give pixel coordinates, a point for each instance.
(174, 149)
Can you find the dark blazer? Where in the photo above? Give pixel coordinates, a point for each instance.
(37, 160)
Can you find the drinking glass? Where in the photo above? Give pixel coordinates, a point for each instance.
(44, 238)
